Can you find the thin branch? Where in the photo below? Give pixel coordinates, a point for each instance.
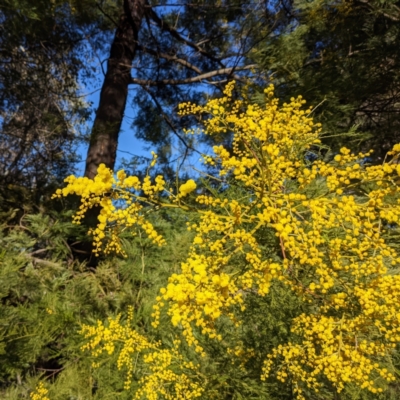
(391, 17)
(168, 121)
(169, 58)
(107, 15)
(174, 33)
(134, 155)
(46, 263)
(187, 81)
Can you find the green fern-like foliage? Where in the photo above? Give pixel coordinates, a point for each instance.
(46, 296)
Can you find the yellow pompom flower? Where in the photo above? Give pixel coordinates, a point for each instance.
(187, 188)
(40, 393)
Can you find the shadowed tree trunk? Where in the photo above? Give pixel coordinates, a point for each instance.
(114, 92)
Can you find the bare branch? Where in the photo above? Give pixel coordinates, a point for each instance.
(174, 33)
(187, 81)
(46, 263)
(168, 57)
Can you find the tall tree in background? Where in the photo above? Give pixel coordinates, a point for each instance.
(114, 92)
(343, 57)
(172, 53)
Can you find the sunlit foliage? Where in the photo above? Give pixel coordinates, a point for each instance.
(330, 222)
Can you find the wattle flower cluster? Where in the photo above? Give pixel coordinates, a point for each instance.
(104, 191)
(40, 392)
(187, 188)
(331, 222)
(165, 369)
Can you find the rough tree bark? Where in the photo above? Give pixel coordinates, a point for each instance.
(114, 92)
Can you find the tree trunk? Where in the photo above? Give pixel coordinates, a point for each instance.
(109, 115)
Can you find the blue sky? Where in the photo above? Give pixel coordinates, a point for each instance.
(127, 142)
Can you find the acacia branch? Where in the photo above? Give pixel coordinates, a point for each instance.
(187, 81)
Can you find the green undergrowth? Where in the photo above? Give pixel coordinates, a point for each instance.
(47, 294)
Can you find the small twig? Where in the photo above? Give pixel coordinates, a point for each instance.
(55, 371)
(282, 247)
(43, 262)
(37, 252)
(107, 15)
(323, 101)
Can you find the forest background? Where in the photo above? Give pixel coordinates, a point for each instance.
(342, 57)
